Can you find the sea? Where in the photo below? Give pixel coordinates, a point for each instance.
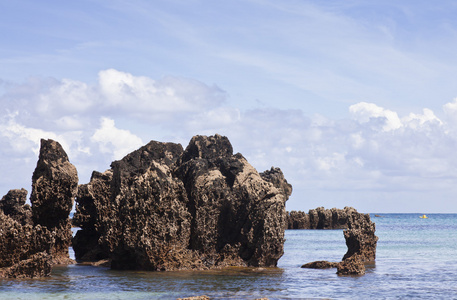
(416, 259)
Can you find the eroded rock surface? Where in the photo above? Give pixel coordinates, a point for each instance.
(360, 239)
(319, 218)
(54, 186)
(320, 264)
(165, 208)
(13, 205)
(25, 250)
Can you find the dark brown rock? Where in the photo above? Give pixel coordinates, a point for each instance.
(298, 220)
(360, 237)
(54, 186)
(24, 249)
(320, 264)
(360, 240)
(13, 205)
(319, 218)
(164, 208)
(94, 213)
(351, 266)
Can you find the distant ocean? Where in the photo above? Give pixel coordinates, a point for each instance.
(416, 258)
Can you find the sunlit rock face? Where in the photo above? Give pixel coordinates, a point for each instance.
(163, 207)
(360, 237)
(25, 250)
(54, 186)
(13, 205)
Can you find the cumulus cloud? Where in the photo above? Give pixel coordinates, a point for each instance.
(113, 141)
(143, 95)
(371, 113)
(372, 150)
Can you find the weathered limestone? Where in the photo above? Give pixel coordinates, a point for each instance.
(360, 237)
(319, 218)
(360, 240)
(165, 208)
(13, 205)
(54, 186)
(320, 264)
(25, 250)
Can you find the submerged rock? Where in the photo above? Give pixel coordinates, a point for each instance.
(54, 186)
(165, 208)
(320, 264)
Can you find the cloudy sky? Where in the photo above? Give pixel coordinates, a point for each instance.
(354, 100)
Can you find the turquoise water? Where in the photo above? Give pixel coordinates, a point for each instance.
(416, 258)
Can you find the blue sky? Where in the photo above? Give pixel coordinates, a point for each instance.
(353, 100)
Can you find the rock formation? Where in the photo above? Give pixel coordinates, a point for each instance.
(360, 240)
(320, 264)
(54, 186)
(25, 250)
(360, 237)
(165, 208)
(32, 239)
(319, 218)
(13, 205)
(298, 220)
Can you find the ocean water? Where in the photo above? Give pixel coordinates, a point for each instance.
(416, 258)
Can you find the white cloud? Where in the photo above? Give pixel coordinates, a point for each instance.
(143, 95)
(373, 149)
(21, 138)
(417, 120)
(114, 141)
(368, 112)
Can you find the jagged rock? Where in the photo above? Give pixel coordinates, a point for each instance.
(165, 208)
(351, 266)
(360, 237)
(54, 186)
(93, 212)
(319, 218)
(13, 205)
(320, 264)
(24, 249)
(276, 177)
(298, 220)
(360, 240)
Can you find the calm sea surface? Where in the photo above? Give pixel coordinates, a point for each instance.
(416, 258)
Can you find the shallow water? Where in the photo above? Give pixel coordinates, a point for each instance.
(416, 258)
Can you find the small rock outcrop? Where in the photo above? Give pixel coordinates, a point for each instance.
(165, 208)
(319, 218)
(54, 186)
(298, 220)
(360, 240)
(32, 239)
(351, 266)
(13, 205)
(25, 250)
(360, 237)
(320, 264)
